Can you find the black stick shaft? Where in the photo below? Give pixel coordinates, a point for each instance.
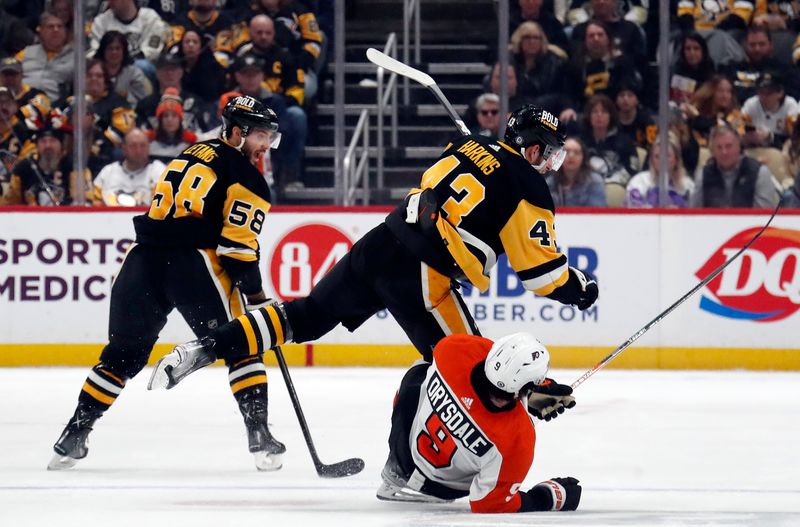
(296, 404)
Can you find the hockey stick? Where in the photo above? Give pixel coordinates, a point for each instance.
(348, 467)
(633, 338)
(386, 62)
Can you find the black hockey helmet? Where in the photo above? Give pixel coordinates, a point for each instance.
(247, 113)
(531, 125)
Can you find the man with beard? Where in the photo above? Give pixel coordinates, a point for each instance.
(46, 177)
(196, 251)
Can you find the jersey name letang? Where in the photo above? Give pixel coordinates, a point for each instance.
(482, 158)
(455, 419)
(202, 152)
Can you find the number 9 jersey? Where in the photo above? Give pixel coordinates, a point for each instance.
(458, 443)
(211, 197)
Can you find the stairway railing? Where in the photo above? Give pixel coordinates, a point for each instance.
(355, 165)
(386, 97)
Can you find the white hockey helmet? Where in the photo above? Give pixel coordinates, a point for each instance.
(515, 361)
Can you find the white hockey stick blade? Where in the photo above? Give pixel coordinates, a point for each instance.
(385, 61)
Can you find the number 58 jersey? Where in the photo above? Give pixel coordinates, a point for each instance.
(211, 197)
(458, 442)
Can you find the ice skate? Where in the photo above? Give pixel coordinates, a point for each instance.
(394, 487)
(73, 444)
(186, 358)
(267, 451)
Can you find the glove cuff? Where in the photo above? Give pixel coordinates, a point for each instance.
(558, 493)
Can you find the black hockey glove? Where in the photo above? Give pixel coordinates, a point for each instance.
(550, 399)
(422, 208)
(579, 290)
(556, 494)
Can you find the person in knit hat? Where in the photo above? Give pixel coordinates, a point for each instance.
(169, 138)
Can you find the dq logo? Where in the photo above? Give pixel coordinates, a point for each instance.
(763, 284)
(303, 256)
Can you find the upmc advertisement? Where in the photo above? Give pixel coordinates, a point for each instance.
(56, 271)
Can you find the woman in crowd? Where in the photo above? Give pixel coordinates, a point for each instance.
(540, 72)
(203, 75)
(169, 138)
(643, 189)
(125, 79)
(714, 103)
(693, 67)
(611, 153)
(576, 184)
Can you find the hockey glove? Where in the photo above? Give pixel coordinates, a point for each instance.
(422, 208)
(579, 290)
(550, 399)
(556, 494)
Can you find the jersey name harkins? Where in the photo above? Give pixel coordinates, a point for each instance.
(455, 419)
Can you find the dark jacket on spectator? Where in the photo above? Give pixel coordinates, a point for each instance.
(206, 79)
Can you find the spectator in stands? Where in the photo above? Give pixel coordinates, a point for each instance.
(731, 179)
(531, 11)
(281, 75)
(169, 138)
(769, 114)
(627, 36)
(581, 11)
(791, 151)
(214, 132)
(169, 10)
(611, 154)
(635, 120)
(713, 103)
(147, 33)
(129, 182)
(64, 10)
(113, 114)
(49, 64)
(214, 27)
(693, 67)
(169, 73)
(791, 198)
(33, 104)
(15, 137)
(760, 59)
(539, 71)
(127, 80)
(248, 70)
(595, 67)
(45, 178)
(644, 189)
(296, 30)
(487, 114)
(491, 84)
(202, 72)
(14, 35)
(575, 184)
(716, 20)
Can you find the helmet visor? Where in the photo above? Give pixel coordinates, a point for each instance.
(554, 157)
(274, 139)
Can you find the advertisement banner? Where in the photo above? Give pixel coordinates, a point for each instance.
(56, 271)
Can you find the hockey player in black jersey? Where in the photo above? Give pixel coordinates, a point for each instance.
(482, 198)
(196, 251)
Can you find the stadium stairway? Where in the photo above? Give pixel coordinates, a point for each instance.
(458, 41)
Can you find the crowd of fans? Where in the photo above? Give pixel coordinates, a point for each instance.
(157, 73)
(733, 99)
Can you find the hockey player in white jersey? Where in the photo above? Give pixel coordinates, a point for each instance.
(460, 427)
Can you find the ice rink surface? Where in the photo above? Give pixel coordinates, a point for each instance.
(651, 448)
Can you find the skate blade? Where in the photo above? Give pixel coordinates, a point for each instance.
(266, 462)
(160, 377)
(388, 492)
(59, 462)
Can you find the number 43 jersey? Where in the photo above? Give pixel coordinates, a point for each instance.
(458, 442)
(491, 201)
(211, 197)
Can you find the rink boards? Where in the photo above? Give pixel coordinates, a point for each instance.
(56, 271)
